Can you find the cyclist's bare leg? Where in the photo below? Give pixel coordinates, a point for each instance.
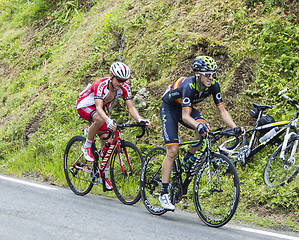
(172, 151)
(94, 128)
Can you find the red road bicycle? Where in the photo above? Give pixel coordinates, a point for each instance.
(125, 165)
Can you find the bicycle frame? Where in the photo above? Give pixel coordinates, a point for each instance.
(115, 143)
(205, 149)
(269, 126)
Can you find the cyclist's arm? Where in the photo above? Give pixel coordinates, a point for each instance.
(225, 116)
(132, 110)
(186, 117)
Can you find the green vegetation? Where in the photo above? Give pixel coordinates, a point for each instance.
(50, 50)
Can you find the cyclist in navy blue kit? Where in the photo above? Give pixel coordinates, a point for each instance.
(177, 107)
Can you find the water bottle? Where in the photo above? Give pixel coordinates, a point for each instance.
(269, 134)
(189, 163)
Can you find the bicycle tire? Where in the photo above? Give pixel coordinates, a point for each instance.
(126, 184)
(216, 204)
(277, 173)
(151, 180)
(78, 178)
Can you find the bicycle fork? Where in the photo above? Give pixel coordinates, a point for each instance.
(208, 163)
(122, 149)
(289, 162)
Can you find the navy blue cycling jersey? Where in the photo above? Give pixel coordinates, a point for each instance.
(185, 93)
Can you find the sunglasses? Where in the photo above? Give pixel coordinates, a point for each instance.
(120, 79)
(208, 74)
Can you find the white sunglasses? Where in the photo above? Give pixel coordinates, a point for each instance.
(208, 74)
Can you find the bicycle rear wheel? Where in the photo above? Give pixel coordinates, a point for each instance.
(277, 171)
(151, 180)
(76, 169)
(125, 171)
(216, 201)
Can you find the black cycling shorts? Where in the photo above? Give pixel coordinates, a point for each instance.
(170, 117)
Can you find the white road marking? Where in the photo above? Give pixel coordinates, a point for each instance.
(262, 232)
(27, 183)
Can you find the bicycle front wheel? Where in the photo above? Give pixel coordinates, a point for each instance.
(151, 180)
(216, 190)
(278, 171)
(76, 169)
(125, 171)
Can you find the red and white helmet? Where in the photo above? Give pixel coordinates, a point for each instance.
(120, 70)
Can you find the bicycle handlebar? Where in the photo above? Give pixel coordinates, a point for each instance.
(292, 102)
(229, 133)
(219, 132)
(198, 143)
(125, 125)
(216, 134)
(282, 91)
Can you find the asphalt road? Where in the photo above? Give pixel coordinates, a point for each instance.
(35, 211)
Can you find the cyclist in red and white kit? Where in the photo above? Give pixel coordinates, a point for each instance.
(95, 102)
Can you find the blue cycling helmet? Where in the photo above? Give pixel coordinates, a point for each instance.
(204, 64)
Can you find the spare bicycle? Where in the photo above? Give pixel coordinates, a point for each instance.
(125, 165)
(216, 188)
(282, 166)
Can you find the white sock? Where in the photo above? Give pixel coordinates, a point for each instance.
(87, 143)
(106, 172)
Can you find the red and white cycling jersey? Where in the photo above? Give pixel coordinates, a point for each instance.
(99, 90)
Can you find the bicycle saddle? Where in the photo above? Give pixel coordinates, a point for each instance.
(261, 107)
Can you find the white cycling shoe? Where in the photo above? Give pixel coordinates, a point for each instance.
(166, 203)
(87, 154)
